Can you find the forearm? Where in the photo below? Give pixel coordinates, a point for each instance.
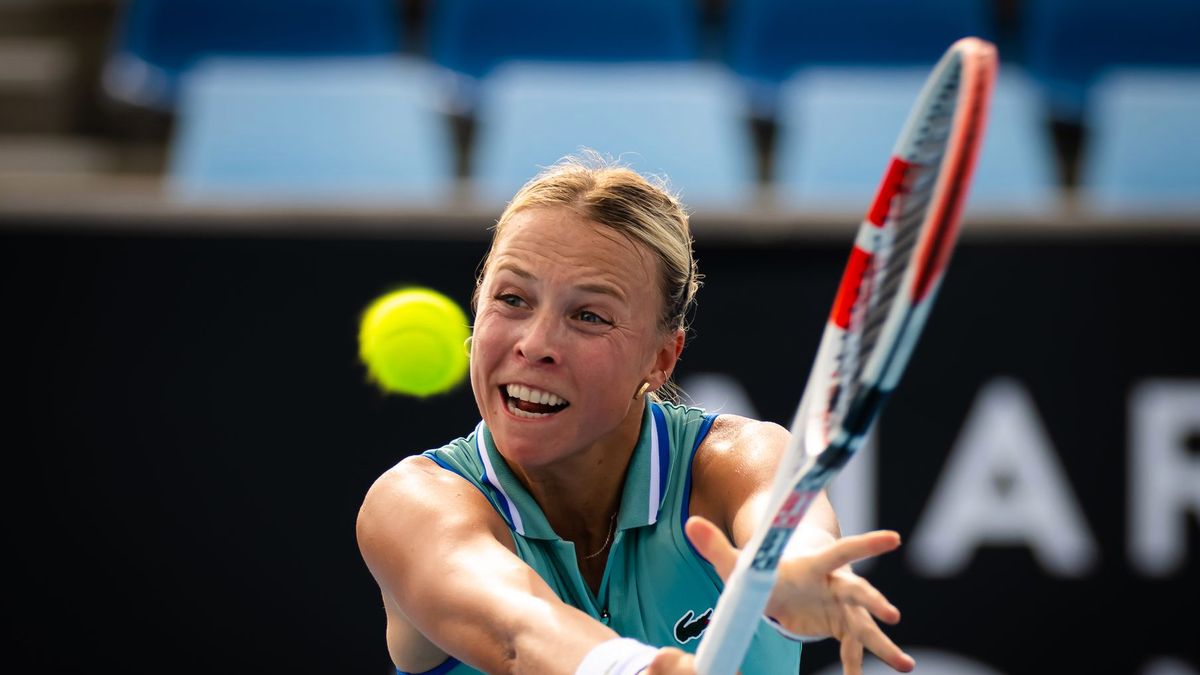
(500, 620)
(450, 576)
(536, 638)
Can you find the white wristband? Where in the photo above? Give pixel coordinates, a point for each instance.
(618, 656)
(794, 637)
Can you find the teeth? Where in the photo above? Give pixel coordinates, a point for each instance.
(533, 395)
(521, 413)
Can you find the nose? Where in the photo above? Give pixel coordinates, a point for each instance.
(540, 341)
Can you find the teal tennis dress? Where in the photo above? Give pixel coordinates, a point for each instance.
(656, 587)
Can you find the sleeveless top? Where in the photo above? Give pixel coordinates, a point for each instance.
(656, 588)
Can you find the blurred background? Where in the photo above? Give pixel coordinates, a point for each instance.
(198, 199)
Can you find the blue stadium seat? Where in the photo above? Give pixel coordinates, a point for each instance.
(1018, 167)
(312, 130)
(159, 40)
(837, 127)
(1143, 145)
(474, 36)
(685, 121)
(1072, 42)
(771, 39)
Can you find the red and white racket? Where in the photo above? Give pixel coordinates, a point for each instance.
(897, 263)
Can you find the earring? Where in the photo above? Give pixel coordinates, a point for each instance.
(641, 390)
(467, 345)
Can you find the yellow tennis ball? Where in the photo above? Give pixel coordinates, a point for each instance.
(412, 342)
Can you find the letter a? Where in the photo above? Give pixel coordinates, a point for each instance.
(1002, 486)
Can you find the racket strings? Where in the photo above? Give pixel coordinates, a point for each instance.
(878, 286)
(890, 276)
(849, 359)
(911, 204)
(891, 259)
(929, 146)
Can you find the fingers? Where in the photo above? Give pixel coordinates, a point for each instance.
(858, 591)
(852, 656)
(865, 632)
(712, 544)
(671, 660)
(857, 547)
(851, 652)
(860, 600)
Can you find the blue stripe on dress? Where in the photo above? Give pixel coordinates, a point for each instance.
(511, 514)
(705, 425)
(664, 454)
(442, 463)
(446, 667)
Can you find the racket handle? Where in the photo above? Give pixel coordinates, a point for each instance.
(736, 619)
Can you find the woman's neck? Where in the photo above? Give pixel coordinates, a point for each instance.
(581, 492)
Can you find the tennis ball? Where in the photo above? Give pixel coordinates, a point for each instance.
(411, 342)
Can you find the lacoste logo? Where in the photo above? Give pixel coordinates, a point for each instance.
(687, 628)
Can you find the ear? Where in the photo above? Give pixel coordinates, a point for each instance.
(666, 358)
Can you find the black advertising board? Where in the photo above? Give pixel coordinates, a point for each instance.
(189, 436)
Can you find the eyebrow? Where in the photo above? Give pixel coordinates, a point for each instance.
(589, 287)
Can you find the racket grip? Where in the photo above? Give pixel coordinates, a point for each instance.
(736, 619)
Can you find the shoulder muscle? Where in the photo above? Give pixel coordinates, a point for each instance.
(735, 463)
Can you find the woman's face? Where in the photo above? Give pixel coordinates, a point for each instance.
(566, 330)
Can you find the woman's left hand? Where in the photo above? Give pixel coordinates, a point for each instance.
(818, 594)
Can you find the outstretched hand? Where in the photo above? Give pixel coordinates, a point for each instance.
(818, 594)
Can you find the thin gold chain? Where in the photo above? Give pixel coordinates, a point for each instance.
(612, 522)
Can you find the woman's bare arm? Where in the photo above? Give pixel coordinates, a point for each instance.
(817, 593)
(444, 560)
(732, 474)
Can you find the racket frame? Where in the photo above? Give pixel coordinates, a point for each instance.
(812, 458)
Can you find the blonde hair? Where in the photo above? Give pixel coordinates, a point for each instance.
(639, 208)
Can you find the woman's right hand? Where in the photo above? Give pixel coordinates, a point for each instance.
(670, 661)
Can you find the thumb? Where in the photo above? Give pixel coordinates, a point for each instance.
(712, 544)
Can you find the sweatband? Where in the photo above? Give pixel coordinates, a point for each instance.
(794, 637)
(618, 656)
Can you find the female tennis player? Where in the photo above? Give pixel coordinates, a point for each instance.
(585, 525)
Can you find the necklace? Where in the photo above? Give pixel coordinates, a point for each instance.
(612, 521)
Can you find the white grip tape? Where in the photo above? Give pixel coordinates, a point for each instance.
(737, 616)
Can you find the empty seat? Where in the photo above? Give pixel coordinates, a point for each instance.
(769, 40)
(1143, 144)
(159, 40)
(1072, 42)
(1018, 167)
(684, 121)
(837, 127)
(312, 130)
(474, 36)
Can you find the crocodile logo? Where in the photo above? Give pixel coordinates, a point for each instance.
(690, 627)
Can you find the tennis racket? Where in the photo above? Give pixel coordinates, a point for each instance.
(899, 256)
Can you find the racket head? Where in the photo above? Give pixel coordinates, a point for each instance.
(901, 251)
(897, 263)
(977, 63)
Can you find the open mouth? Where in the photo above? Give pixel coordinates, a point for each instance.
(528, 402)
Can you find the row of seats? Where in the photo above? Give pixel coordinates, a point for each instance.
(371, 128)
(307, 97)
(1064, 44)
(1070, 44)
